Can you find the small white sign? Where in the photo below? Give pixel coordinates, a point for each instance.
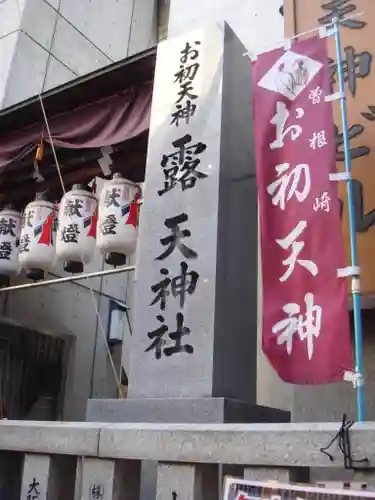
(240, 489)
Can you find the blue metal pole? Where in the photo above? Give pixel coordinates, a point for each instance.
(356, 294)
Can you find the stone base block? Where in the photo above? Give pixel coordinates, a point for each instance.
(190, 410)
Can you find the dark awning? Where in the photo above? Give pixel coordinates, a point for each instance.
(108, 107)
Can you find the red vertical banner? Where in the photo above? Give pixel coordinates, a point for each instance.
(306, 333)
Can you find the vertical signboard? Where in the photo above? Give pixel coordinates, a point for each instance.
(305, 317)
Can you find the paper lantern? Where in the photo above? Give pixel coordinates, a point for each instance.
(37, 245)
(118, 219)
(76, 234)
(10, 228)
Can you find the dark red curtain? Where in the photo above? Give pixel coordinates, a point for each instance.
(103, 123)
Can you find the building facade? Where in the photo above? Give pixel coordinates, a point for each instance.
(43, 45)
(47, 43)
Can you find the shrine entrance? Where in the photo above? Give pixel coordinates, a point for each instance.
(32, 374)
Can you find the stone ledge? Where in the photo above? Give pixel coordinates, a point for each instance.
(67, 438)
(272, 445)
(279, 445)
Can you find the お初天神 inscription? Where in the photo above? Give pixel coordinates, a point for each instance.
(181, 168)
(186, 102)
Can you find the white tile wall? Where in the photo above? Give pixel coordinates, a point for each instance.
(38, 21)
(7, 49)
(94, 34)
(144, 26)
(54, 3)
(9, 17)
(27, 71)
(108, 27)
(57, 74)
(75, 51)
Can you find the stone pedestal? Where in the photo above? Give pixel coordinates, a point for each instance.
(182, 410)
(194, 347)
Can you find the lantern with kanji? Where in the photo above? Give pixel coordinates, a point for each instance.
(10, 228)
(37, 242)
(76, 234)
(118, 219)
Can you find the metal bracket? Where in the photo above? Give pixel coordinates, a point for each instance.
(345, 272)
(355, 378)
(334, 97)
(287, 43)
(340, 176)
(253, 56)
(328, 30)
(356, 285)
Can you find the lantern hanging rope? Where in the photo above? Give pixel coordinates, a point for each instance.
(95, 304)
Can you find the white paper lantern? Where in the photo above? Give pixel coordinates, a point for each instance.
(76, 234)
(118, 219)
(10, 228)
(37, 245)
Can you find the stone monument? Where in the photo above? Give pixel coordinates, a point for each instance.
(194, 347)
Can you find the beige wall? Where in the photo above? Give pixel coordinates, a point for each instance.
(301, 16)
